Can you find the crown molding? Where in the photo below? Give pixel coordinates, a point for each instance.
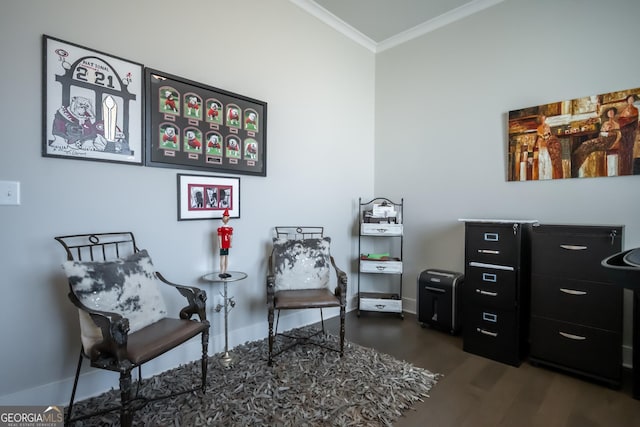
(336, 23)
(440, 21)
(433, 24)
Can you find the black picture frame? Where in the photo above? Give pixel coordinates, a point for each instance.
(92, 104)
(190, 125)
(207, 196)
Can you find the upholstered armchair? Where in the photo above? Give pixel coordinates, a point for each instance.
(124, 321)
(299, 278)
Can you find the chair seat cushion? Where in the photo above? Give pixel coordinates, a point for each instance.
(305, 298)
(157, 338)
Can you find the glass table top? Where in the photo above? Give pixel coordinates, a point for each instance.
(215, 276)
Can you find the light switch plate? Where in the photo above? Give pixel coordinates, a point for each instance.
(9, 193)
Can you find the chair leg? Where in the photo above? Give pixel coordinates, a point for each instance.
(126, 417)
(342, 320)
(75, 386)
(205, 358)
(270, 317)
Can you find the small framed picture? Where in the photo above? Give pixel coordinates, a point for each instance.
(92, 104)
(207, 197)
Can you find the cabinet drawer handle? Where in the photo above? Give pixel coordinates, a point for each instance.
(489, 277)
(488, 251)
(572, 291)
(491, 266)
(574, 247)
(572, 337)
(380, 267)
(491, 294)
(490, 317)
(381, 230)
(491, 237)
(380, 306)
(485, 332)
(430, 288)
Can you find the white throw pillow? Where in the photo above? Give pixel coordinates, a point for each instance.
(301, 264)
(125, 286)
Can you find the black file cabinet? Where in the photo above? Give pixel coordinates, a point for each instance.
(496, 290)
(576, 312)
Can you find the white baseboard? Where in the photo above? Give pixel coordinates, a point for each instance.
(95, 381)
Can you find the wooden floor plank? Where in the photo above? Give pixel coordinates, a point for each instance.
(476, 392)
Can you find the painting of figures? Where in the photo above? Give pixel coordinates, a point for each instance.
(593, 136)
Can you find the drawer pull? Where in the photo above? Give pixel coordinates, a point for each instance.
(491, 237)
(490, 317)
(430, 288)
(574, 247)
(572, 337)
(572, 291)
(488, 251)
(490, 294)
(380, 267)
(492, 266)
(380, 306)
(489, 277)
(381, 230)
(485, 332)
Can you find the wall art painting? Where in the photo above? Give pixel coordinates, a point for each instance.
(593, 136)
(207, 197)
(194, 126)
(92, 104)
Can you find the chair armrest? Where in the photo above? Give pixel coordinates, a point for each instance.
(341, 288)
(196, 298)
(114, 328)
(271, 288)
(271, 281)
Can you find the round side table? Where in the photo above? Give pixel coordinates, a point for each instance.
(228, 303)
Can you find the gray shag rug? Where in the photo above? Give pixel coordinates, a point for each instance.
(307, 386)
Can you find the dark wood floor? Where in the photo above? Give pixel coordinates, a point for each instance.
(475, 391)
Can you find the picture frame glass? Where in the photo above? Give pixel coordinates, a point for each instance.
(190, 125)
(588, 137)
(207, 197)
(92, 104)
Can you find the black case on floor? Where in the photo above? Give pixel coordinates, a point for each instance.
(438, 299)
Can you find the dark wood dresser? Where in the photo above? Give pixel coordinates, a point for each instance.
(496, 290)
(576, 311)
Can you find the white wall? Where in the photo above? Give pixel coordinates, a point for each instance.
(319, 86)
(440, 138)
(441, 118)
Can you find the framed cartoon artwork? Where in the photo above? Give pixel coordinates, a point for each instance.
(193, 126)
(207, 197)
(92, 104)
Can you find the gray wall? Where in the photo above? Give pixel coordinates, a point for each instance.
(441, 117)
(319, 86)
(425, 121)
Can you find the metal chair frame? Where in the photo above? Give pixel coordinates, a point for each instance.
(303, 232)
(109, 246)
